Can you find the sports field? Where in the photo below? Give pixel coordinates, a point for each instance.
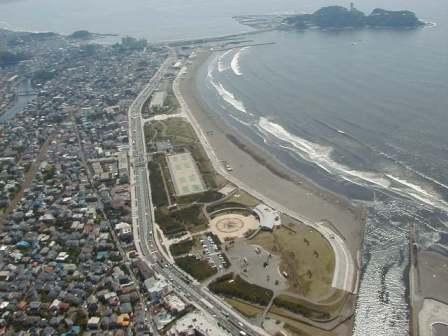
(185, 174)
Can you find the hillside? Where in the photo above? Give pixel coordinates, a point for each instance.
(340, 17)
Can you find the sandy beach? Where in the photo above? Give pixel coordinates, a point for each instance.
(276, 182)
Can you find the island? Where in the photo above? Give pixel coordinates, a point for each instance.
(339, 17)
(334, 17)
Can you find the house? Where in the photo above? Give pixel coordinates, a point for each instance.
(156, 288)
(93, 322)
(174, 304)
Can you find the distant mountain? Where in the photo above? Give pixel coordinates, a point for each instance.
(341, 17)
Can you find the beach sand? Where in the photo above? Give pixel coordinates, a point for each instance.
(276, 182)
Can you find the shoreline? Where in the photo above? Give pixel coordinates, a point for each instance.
(231, 146)
(339, 221)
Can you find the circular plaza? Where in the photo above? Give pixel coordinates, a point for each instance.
(230, 226)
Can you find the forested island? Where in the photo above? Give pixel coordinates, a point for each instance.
(338, 17)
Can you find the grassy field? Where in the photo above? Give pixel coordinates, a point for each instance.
(244, 198)
(205, 197)
(182, 247)
(192, 218)
(295, 328)
(181, 133)
(159, 196)
(169, 225)
(307, 258)
(198, 269)
(313, 311)
(246, 309)
(237, 288)
(176, 129)
(188, 219)
(294, 312)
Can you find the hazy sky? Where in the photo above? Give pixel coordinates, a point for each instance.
(166, 19)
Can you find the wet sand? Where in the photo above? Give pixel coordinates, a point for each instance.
(264, 173)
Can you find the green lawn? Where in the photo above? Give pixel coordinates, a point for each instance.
(158, 192)
(306, 256)
(198, 269)
(238, 288)
(182, 247)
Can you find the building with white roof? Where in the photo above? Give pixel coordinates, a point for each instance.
(196, 323)
(267, 216)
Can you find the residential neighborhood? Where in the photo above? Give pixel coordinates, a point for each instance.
(67, 260)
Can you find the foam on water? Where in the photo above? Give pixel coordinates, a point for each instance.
(240, 121)
(211, 67)
(321, 156)
(235, 64)
(222, 66)
(228, 96)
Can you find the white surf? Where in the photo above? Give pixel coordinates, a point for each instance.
(235, 64)
(321, 156)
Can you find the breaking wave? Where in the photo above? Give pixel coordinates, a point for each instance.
(211, 67)
(235, 64)
(228, 96)
(321, 156)
(222, 66)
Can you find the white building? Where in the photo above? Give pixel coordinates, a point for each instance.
(267, 216)
(174, 304)
(196, 322)
(156, 288)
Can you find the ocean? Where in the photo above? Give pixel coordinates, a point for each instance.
(362, 113)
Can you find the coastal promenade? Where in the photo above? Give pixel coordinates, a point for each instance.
(345, 274)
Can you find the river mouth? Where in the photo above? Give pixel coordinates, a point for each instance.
(25, 97)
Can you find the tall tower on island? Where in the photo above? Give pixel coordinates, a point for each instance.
(352, 6)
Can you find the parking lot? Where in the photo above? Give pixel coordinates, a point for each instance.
(212, 253)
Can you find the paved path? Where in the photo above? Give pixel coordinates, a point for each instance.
(433, 312)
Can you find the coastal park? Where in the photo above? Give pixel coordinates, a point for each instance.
(273, 269)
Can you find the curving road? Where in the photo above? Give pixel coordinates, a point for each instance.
(144, 227)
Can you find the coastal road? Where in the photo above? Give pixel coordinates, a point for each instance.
(144, 230)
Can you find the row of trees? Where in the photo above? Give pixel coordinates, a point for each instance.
(236, 287)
